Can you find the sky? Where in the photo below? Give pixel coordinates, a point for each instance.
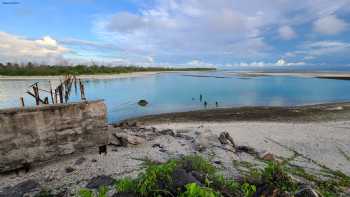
(220, 33)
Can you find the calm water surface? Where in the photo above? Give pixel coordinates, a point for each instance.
(172, 92)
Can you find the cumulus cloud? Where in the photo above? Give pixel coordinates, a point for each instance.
(278, 63)
(312, 50)
(286, 32)
(223, 29)
(330, 25)
(17, 49)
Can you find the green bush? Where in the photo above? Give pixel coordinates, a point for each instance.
(193, 190)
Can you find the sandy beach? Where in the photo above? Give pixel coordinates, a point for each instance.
(312, 144)
(326, 75)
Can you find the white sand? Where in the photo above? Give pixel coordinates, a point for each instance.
(319, 141)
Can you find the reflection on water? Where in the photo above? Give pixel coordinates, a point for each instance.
(176, 92)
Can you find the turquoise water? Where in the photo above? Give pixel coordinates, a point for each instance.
(173, 92)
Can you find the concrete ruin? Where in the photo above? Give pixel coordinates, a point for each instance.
(38, 134)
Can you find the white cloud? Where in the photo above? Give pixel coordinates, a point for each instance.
(17, 49)
(286, 32)
(312, 50)
(221, 29)
(198, 63)
(330, 25)
(280, 62)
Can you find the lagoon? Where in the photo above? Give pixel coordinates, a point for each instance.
(175, 92)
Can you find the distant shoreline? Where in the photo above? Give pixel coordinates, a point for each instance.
(92, 77)
(325, 75)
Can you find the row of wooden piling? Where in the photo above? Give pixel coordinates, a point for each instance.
(60, 94)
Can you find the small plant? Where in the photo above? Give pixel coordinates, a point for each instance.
(148, 182)
(198, 163)
(194, 190)
(102, 191)
(219, 182)
(125, 185)
(86, 193)
(275, 176)
(248, 189)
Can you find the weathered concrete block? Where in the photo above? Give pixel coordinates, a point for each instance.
(39, 134)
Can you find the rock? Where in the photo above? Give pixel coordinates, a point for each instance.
(307, 192)
(129, 139)
(204, 140)
(157, 145)
(186, 137)
(201, 177)
(69, 169)
(218, 162)
(167, 132)
(21, 189)
(142, 103)
(225, 139)
(134, 140)
(267, 156)
(246, 149)
(181, 178)
(114, 141)
(134, 124)
(99, 181)
(80, 161)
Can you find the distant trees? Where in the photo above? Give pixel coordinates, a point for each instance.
(30, 69)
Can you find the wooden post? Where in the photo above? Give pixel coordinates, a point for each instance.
(46, 100)
(56, 99)
(22, 101)
(82, 91)
(60, 91)
(53, 102)
(75, 84)
(36, 93)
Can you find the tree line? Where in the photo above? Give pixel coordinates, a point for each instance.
(30, 69)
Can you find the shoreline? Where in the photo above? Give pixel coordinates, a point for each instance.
(304, 113)
(323, 75)
(92, 77)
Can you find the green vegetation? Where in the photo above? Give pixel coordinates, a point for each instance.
(273, 180)
(47, 70)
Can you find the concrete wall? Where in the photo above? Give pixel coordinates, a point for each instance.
(38, 134)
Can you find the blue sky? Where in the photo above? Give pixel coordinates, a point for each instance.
(224, 33)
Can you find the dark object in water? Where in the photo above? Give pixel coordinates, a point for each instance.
(142, 103)
(205, 104)
(102, 149)
(200, 97)
(216, 104)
